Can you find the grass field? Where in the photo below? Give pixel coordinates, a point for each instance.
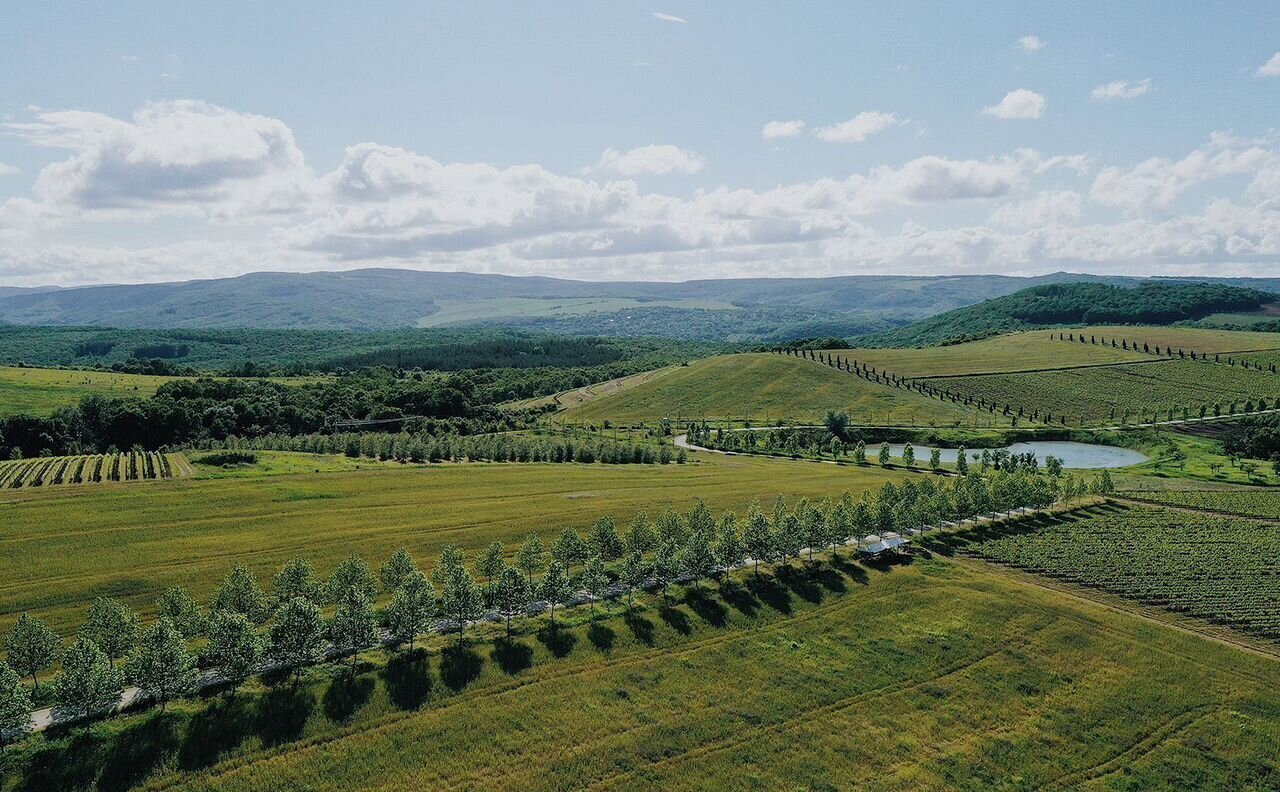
(1033, 351)
(1220, 569)
(463, 311)
(1104, 394)
(35, 391)
(133, 542)
(763, 388)
(935, 675)
(1188, 338)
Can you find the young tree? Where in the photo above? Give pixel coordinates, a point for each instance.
(757, 539)
(594, 580)
(352, 575)
(489, 566)
(640, 536)
(697, 558)
(354, 625)
(15, 703)
(909, 455)
(670, 528)
(555, 588)
(513, 594)
(161, 664)
(87, 683)
(178, 606)
(569, 549)
(884, 455)
(935, 460)
(787, 539)
(460, 597)
(729, 550)
(962, 462)
(837, 424)
(240, 593)
(531, 559)
(633, 574)
(1053, 466)
(112, 627)
(860, 453)
(411, 608)
(235, 647)
(297, 578)
(396, 568)
(32, 647)
(666, 565)
(604, 539)
(813, 527)
(297, 635)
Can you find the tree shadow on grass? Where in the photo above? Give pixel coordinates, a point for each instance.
(676, 619)
(800, 580)
(345, 696)
(70, 766)
(459, 666)
(511, 656)
(137, 750)
(830, 578)
(283, 714)
(768, 590)
(601, 636)
(408, 679)
(739, 597)
(641, 628)
(707, 607)
(213, 732)
(559, 641)
(851, 569)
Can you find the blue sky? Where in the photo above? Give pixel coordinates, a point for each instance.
(158, 141)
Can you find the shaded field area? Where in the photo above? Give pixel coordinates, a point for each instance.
(1107, 393)
(133, 542)
(762, 388)
(949, 677)
(1242, 503)
(1219, 569)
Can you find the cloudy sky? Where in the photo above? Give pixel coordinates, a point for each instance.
(149, 141)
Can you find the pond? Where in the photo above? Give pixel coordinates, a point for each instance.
(1073, 455)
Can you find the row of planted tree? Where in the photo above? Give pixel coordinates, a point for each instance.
(1169, 351)
(303, 619)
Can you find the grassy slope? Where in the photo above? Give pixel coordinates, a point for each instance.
(1014, 352)
(1188, 338)
(41, 391)
(498, 308)
(762, 387)
(938, 675)
(136, 541)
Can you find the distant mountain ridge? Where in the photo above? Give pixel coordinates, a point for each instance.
(381, 299)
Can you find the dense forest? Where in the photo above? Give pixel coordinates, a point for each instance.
(1077, 303)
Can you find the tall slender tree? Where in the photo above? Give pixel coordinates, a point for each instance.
(569, 549)
(354, 625)
(353, 574)
(178, 606)
(297, 578)
(633, 574)
(489, 566)
(531, 559)
(757, 539)
(594, 580)
(411, 609)
(513, 594)
(555, 588)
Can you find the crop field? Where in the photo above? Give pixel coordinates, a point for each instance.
(90, 469)
(1033, 351)
(1188, 338)
(1242, 503)
(35, 391)
(933, 675)
(1219, 569)
(134, 542)
(763, 388)
(1104, 394)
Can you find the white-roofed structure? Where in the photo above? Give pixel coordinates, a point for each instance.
(892, 541)
(872, 545)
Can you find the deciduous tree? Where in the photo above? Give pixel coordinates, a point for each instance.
(15, 702)
(396, 568)
(240, 593)
(513, 594)
(594, 580)
(235, 647)
(555, 587)
(87, 683)
(531, 559)
(411, 609)
(112, 626)
(297, 635)
(179, 607)
(161, 664)
(32, 647)
(354, 625)
(352, 574)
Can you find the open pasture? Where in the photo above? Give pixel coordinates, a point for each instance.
(1219, 569)
(36, 391)
(1188, 338)
(134, 542)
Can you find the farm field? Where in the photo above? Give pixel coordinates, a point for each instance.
(452, 312)
(35, 391)
(90, 469)
(1243, 503)
(1188, 338)
(762, 388)
(1216, 568)
(134, 542)
(950, 677)
(1102, 395)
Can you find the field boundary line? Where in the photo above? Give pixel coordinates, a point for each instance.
(1141, 748)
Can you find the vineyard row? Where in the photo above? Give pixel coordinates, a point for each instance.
(85, 469)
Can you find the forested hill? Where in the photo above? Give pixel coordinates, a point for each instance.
(1078, 303)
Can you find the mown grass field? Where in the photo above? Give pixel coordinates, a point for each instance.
(1103, 394)
(762, 388)
(934, 675)
(61, 547)
(35, 391)
(1188, 338)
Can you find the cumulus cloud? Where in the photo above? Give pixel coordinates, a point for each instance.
(1019, 104)
(856, 129)
(1156, 183)
(169, 157)
(656, 160)
(7, 170)
(1271, 68)
(776, 130)
(1120, 89)
(1051, 207)
(668, 17)
(1032, 43)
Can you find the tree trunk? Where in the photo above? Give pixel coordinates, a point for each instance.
(35, 681)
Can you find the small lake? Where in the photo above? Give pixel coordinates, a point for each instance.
(1073, 455)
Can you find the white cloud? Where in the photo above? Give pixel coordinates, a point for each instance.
(1052, 207)
(1019, 104)
(658, 160)
(668, 17)
(1120, 89)
(7, 170)
(1271, 68)
(1157, 182)
(1032, 43)
(776, 130)
(856, 129)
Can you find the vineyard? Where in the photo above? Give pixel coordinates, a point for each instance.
(1243, 503)
(1135, 392)
(90, 469)
(1222, 570)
